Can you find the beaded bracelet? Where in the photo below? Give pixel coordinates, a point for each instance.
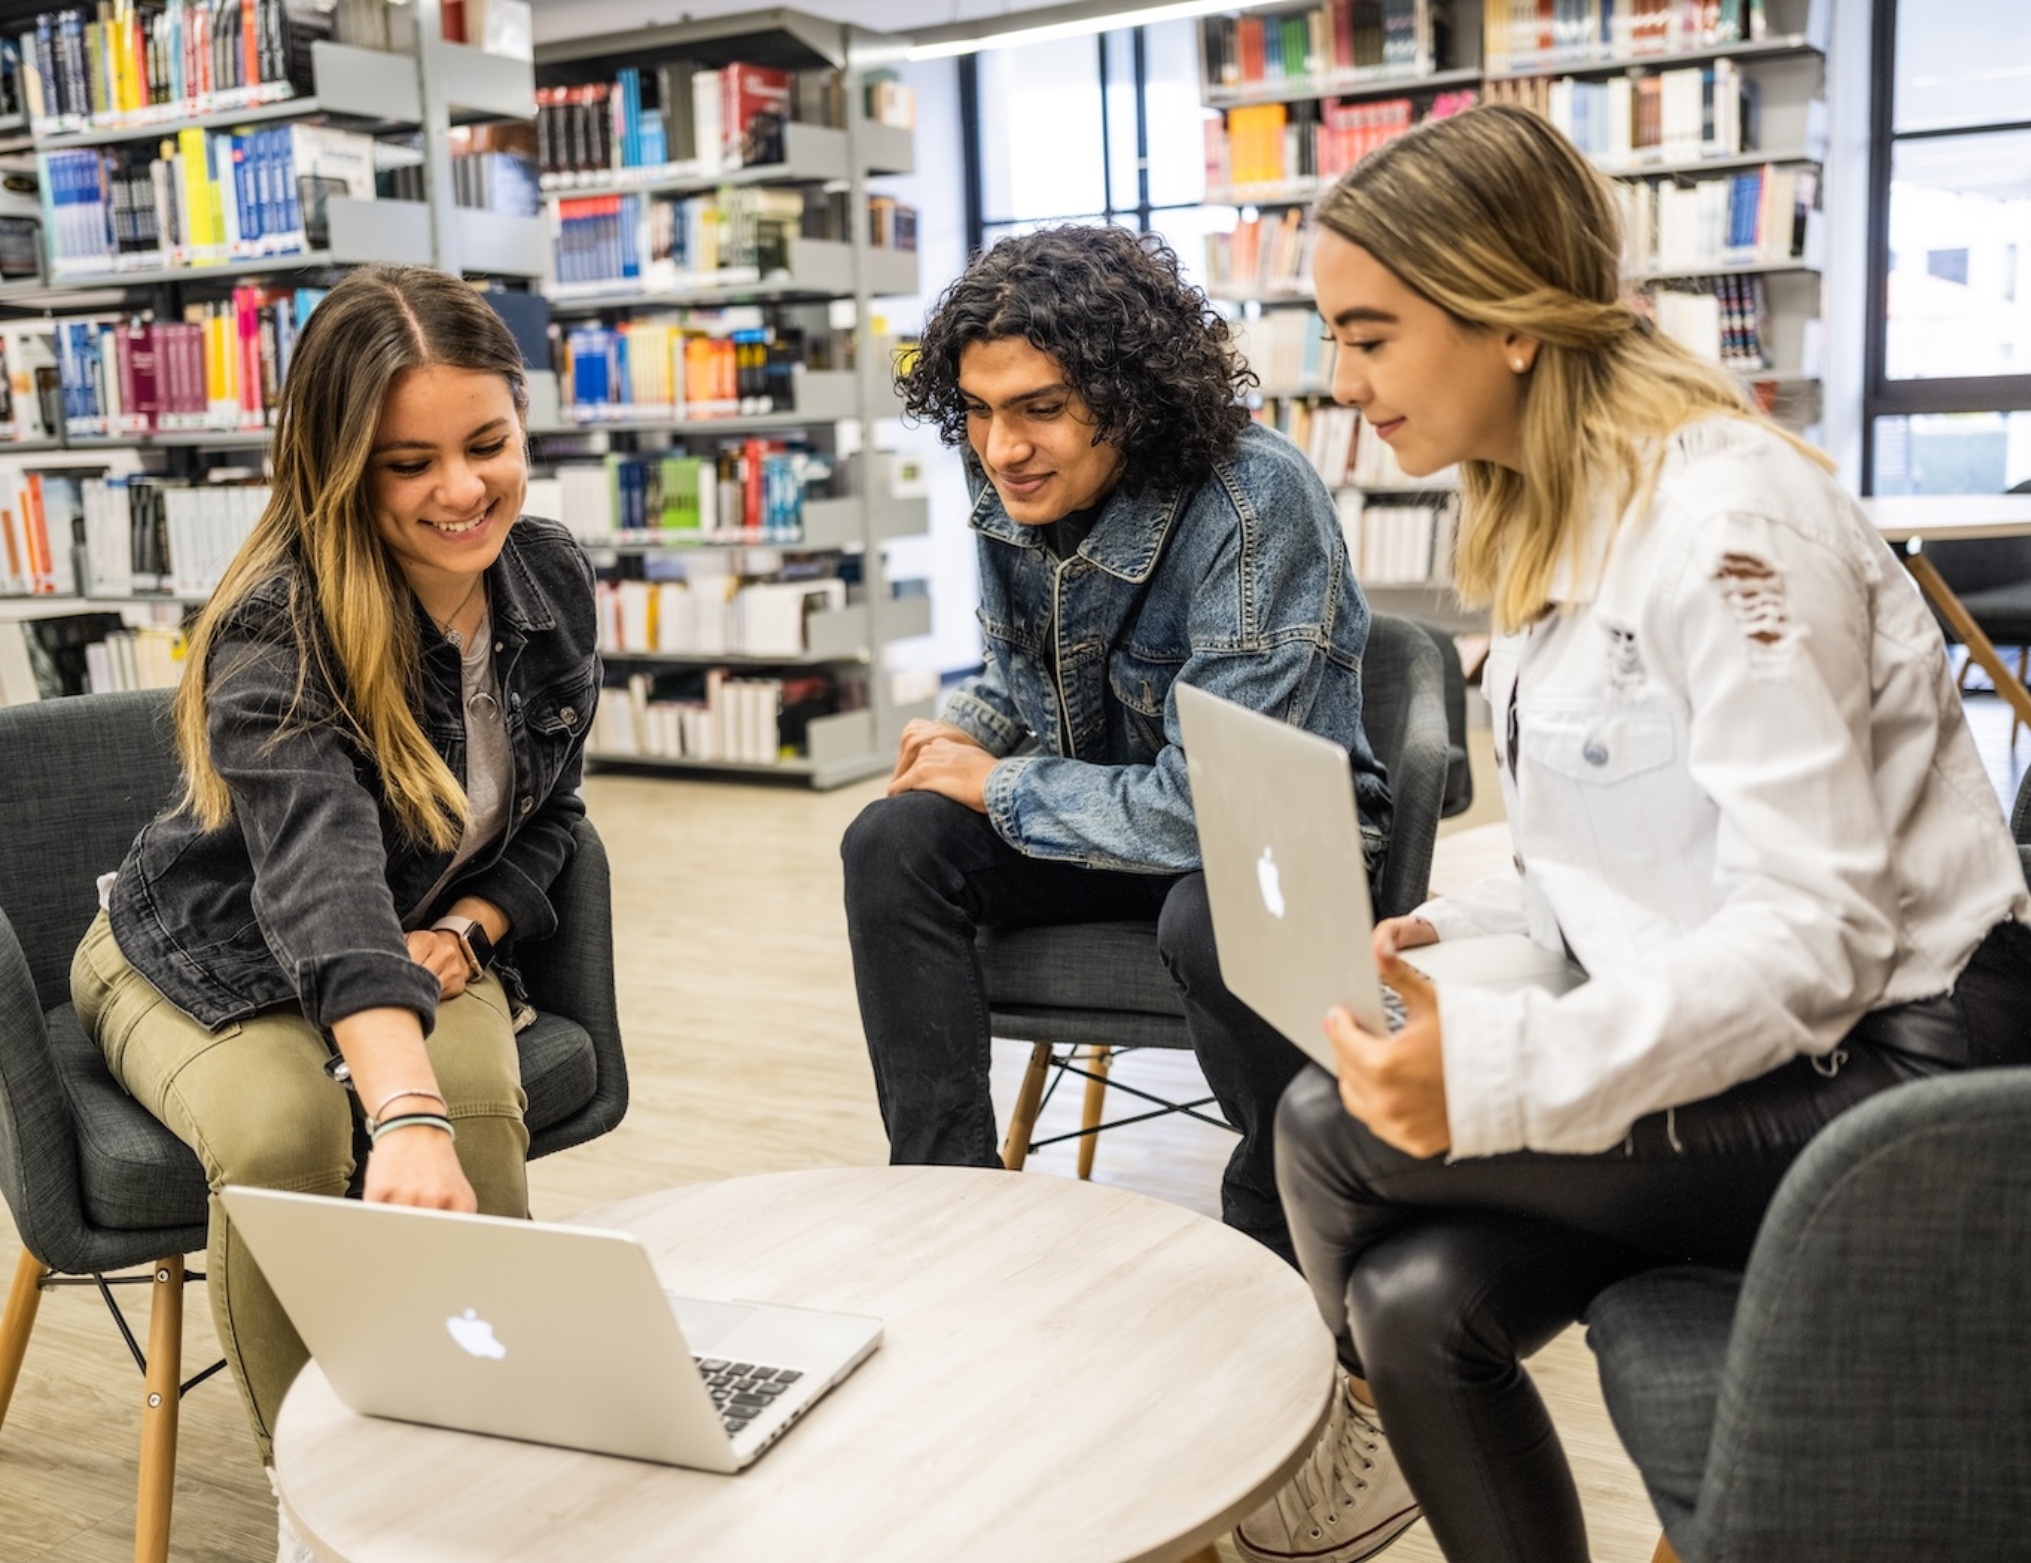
(406, 1120)
(396, 1096)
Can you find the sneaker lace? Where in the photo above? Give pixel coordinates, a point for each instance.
(1337, 1471)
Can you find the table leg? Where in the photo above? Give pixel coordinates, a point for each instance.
(1979, 647)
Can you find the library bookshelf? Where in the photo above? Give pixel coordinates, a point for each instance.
(1709, 117)
(744, 639)
(228, 187)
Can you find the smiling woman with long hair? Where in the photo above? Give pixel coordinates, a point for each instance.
(380, 729)
(1742, 795)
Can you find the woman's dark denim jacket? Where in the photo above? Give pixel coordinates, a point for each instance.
(1240, 585)
(299, 897)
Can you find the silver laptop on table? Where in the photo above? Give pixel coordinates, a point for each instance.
(1288, 883)
(551, 1334)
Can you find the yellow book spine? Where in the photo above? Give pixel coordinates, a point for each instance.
(197, 185)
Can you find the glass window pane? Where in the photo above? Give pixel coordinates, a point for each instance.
(1124, 187)
(1953, 453)
(1962, 62)
(1960, 257)
(1040, 130)
(1177, 135)
(990, 232)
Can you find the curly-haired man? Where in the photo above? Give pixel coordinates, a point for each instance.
(1135, 529)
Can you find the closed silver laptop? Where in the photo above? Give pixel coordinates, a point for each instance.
(1280, 840)
(551, 1334)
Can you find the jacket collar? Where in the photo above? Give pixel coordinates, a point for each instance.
(1126, 541)
(518, 602)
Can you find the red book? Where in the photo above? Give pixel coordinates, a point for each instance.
(746, 92)
(140, 384)
(751, 457)
(453, 14)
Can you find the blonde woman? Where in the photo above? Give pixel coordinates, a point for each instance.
(1742, 795)
(380, 729)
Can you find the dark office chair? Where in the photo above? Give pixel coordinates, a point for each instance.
(97, 1184)
(1863, 1393)
(1081, 994)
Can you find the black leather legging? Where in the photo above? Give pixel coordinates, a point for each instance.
(1437, 1278)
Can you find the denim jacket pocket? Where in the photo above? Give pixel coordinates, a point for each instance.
(1141, 687)
(1599, 757)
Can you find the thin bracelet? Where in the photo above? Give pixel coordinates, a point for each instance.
(407, 1120)
(396, 1096)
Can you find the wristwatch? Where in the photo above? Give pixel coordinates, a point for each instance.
(472, 941)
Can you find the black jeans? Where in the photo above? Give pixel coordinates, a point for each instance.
(922, 874)
(1438, 1277)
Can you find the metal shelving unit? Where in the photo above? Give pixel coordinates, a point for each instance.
(849, 745)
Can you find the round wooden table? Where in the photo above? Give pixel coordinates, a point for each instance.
(1069, 1372)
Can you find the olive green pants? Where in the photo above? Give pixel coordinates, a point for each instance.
(253, 1100)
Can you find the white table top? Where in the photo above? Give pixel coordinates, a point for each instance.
(1069, 1372)
(1949, 517)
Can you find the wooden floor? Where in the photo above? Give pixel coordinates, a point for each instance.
(746, 1056)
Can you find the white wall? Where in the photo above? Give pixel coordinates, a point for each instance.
(1846, 200)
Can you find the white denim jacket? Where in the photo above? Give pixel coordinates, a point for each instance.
(1742, 793)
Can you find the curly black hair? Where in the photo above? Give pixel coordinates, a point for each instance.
(1150, 358)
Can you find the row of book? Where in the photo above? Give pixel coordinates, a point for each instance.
(1399, 544)
(1761, 217)
(1522, 34)
(1724, 319)
(1666, 116)
(696, 367)
(711, 716)
(662, 244)
(712, 612)
(200, 197)
(84, 654)
(493, 169)
(1261, 258)
(1340, 445)
(1337, 37)
(144, 534)
(1272, 143)
(1289, 350)
(220, 367)
(677, 119)
(749, 489)
(124, 63)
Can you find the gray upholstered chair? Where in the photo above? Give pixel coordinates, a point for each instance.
(95, 1183)
(1863, 1393)
(1081, 994)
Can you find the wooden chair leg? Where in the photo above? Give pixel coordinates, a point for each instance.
(22, 1301)
(1664, 1552)
(1096, 1101)
(1015, 1150)
(2016, 721)
(159, 1407)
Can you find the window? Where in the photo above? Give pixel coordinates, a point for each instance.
(1948, 393)
(1096, 129)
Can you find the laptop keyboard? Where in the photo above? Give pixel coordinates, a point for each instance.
(742, 1391)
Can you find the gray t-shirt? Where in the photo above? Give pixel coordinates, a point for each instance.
(489, 761)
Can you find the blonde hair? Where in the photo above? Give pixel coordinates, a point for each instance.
(349, 610)
(1497, 219)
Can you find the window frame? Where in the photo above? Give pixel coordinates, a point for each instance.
(1883, 397)
(1140, 212)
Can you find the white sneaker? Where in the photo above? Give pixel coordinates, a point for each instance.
(289, 1547)
(1348, 1501)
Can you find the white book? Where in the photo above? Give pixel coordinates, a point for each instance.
(17, 673)
(99, 668)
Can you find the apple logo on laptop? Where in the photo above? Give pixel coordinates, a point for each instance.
(475, 1335)
(1272, 887)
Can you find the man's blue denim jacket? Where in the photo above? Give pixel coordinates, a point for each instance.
(1240, 586)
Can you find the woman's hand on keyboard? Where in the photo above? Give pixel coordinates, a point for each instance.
(1396, 1085)
(1401, 933)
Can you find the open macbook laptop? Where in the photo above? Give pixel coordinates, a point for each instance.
(552, 1334)
(1288, 884)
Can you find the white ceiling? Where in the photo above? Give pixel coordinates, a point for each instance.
(575, 18)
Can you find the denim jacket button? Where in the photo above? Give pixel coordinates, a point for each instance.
(515, 700)
(526, 805)
(1596, 753)
(569, 716)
